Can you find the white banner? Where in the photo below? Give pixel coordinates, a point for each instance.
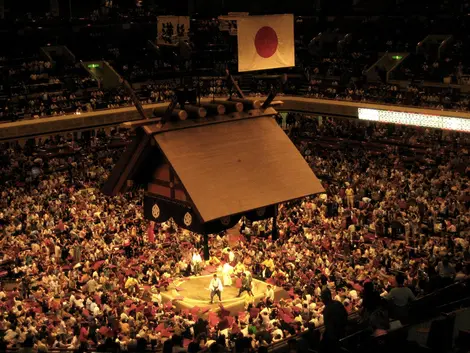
(170, 29)
(265, 42)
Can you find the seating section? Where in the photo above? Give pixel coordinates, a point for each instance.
(332, 59)
(38, 87)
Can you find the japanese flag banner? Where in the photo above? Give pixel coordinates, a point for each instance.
(265, 42)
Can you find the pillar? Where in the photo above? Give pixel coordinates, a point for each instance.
(275, 231)
(191, 7)
(206, 247)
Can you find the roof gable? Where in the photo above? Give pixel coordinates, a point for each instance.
(237, 166)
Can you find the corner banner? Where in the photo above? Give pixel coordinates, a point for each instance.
(265, 42)
(170, 29)
(229, 23)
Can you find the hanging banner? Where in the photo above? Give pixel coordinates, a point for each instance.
(265, 42)
(170, 29)
(160, 209)
(229, 23)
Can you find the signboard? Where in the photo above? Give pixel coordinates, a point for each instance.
(170, 29)
(229, 23)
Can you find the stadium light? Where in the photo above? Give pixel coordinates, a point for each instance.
(404, 118)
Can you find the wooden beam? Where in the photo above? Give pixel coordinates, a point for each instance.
(172, 182)
(167, 184)
(190, 123)
(138, 123)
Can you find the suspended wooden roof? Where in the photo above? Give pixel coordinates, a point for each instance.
(227, 165)
(237, 166)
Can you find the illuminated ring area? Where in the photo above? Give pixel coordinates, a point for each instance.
(195, 289)
(404, 118)
(189, 292)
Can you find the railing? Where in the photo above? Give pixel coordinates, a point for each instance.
(431, 304)
(424, 304)
(359, 341)
(371, 101)
(282, 343)
(423, 309)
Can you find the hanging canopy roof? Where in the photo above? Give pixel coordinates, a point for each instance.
(237, 166)
(227, 166)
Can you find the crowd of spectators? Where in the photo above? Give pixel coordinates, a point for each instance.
(81, 270)
(412, 95)
(438, 65)
(66, 102)
(390, 227)
(39, 88)
(63, 103)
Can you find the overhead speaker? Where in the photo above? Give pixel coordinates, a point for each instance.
(231, 106)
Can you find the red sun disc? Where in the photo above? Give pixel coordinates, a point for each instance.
(266, 42)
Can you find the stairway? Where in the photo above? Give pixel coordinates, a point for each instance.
(103, 73)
